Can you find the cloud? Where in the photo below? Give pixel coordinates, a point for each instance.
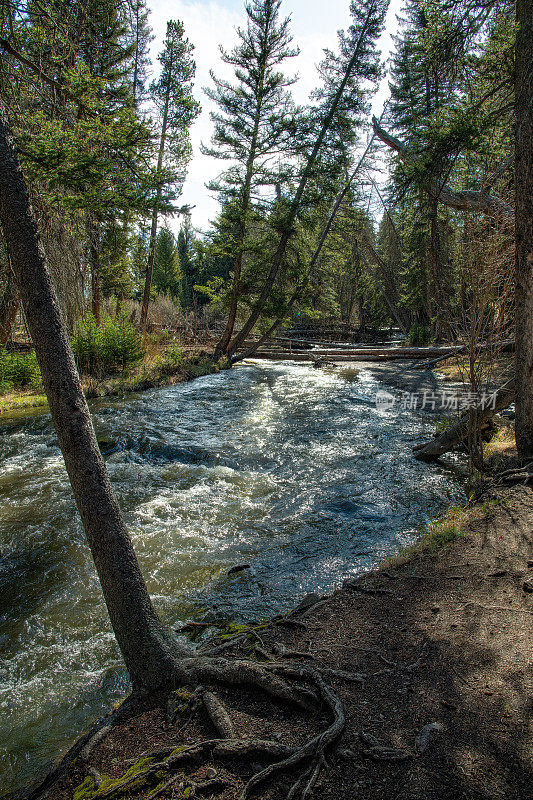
(207, 25)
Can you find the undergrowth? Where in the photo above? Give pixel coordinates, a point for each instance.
(19, 371)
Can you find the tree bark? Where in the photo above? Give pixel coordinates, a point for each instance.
(9, 306)
(148, 649)
(524, 228)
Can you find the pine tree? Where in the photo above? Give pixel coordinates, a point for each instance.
(256, 120)
(172, 95)
(140, 35)
(186, 261)
(357, 63)
(419, 86)
(167, 276)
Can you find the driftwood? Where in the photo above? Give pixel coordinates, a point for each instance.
(459, 432)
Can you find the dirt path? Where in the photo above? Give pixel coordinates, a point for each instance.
(443, 639)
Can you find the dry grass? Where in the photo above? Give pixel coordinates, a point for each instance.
(18, 401)
(456, 369)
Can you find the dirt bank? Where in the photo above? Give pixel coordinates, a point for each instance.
(442, 638)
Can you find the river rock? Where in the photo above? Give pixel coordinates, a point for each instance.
(309, 600)
(527, 586)
(426, 735)
(238, 568)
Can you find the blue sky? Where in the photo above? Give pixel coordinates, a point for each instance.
(209, 23)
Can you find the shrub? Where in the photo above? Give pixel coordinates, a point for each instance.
(112, 345)
(87, 344)
(419, 335)
(171, 360)
(19, 371)
(164, 313)
(121, 344)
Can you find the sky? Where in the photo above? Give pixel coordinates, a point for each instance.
(209, 23)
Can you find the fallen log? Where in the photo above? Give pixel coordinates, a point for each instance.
(357, 354)
(457, 433)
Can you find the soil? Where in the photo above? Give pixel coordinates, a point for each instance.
(441, 637)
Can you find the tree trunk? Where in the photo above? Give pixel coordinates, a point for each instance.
(148, 650)
(435, 259)
(155, 212)
(524, 228)
(150, 263)
(96, 285)
(462, 429)
(9, 306)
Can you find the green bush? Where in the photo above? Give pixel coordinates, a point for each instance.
(19, 371)
(87, 344)
(113, 345)
(122, 346)
(172, 359)
(419, 335)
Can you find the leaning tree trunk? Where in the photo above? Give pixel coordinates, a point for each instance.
(295, 205)
(148, 650)
(524, 228)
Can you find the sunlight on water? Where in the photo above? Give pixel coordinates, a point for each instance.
(285, 467)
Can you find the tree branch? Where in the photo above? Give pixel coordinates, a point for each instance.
(467, 200)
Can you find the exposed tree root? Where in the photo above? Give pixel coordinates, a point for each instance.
(373, 748)
(524, 474)
(218, 715)
(205, 670)
(315, 748)
(212, 748)
(299, 684)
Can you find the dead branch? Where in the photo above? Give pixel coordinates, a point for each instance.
(479, 202)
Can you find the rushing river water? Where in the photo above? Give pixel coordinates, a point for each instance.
(288, 468)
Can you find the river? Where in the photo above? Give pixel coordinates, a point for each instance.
(290, 469)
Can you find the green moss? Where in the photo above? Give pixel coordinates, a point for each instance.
(139, 765)
(178, 750)
(86, 790)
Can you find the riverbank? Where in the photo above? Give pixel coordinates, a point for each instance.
(154, 372)
(442, 637)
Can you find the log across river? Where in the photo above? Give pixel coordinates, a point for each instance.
(290, 469)
(357, 354)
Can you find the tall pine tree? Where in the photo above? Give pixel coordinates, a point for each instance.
(176, 107)
(256, 120)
